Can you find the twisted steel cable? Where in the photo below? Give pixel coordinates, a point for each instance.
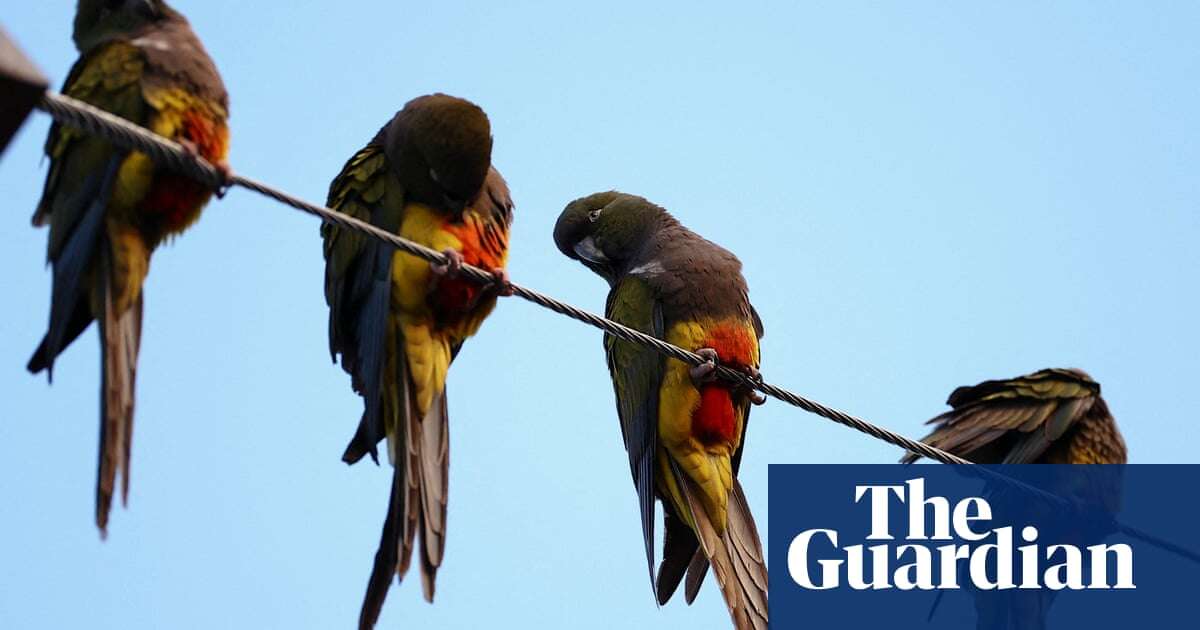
(174, 156)
(125, 134)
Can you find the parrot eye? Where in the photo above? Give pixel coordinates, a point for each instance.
(594, 214)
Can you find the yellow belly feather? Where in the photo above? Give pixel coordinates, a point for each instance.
(710, 467)
(428, 351)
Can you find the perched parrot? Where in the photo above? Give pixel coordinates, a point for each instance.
(398, 322)
(108, 208)
(683, 429)
(1053, 416)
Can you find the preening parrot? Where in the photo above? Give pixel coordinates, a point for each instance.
(1052, 416)
(398, 322)
(108, 209)
(682, 428)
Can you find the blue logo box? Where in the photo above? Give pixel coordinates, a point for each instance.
(937, 546)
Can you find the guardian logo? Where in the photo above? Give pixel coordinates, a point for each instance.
(935, 547)
(908, 561)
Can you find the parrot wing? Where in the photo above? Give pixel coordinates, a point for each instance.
(496, 202)
(680, 554)
(358, 285)
(83, 171)
(1012, 421)
(637, 374)
(108, 78)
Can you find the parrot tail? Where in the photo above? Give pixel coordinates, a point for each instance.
(418, 501)
(387, 557)
(433, 460)
(695, 576)
(736, 557)
(120, 341)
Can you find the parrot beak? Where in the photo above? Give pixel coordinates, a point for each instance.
(594, 259)
(587, 250)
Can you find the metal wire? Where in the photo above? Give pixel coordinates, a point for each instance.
(174, 156)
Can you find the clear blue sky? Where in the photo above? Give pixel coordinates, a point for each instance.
(923, 196)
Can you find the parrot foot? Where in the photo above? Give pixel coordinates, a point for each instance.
(222, 168)
(501, 285)
(705, 372)
(452, 266)
(756, 397)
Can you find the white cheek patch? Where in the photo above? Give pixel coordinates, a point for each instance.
(151, 42)
(587, 250)
(651, 268)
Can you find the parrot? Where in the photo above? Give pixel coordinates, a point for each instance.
(109, 208)
(398, 322)
(684, 430)
(1052, 416)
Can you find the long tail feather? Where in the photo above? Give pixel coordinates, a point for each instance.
(741, 538)
(434, 462)
(696, 571)
(387, 557)
(736, 556)
(419, 451)
(406, 454)
(120, 334)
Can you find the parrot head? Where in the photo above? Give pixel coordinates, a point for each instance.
(441, 149)
(608, 231)
(101, 21)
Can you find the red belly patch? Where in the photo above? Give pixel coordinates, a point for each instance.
(174, 201)
(454, 298)
(713, 421)
(457, 297)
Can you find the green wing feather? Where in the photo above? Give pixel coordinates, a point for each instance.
(108, 78)
(358, 283)
(637, 374)
(1013, 421)
(82, 172)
